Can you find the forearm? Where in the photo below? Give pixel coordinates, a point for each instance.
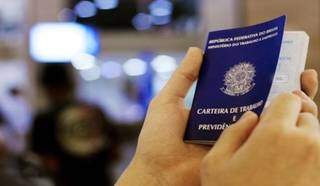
(140, 174)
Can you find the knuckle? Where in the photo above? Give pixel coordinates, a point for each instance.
(314, 108)
(309, 119)
(306, 115)
(288, 97)
(310, 106)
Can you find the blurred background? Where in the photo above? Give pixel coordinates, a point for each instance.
(76, 76)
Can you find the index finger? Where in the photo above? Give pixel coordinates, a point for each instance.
(283, 111)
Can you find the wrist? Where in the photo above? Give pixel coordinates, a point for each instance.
(138, 173)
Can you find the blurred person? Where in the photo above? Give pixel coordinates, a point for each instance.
(18, 105)
(281, 148)
(75, 142)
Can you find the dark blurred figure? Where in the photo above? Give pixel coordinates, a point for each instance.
(2, 145)
(75, 142)
(8, 176)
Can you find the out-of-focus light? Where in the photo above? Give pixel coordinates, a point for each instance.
(161, 20)
(161, 8)
(60, 42)
(164, 64)
(135, 67)
(161, 11)
(67, 14)
(158, 83)
(142, 21)
(85, 9)
(133, 113)
(91, 74)
(83, 61)
(106, 4)
(111, 69)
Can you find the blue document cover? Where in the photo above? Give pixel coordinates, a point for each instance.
(235, 77)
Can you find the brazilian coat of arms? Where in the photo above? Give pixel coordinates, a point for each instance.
(239, 79)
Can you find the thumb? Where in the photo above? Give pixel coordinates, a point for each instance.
(234, 136)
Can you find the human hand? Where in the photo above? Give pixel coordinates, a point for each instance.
(282, 148)
(162, 157)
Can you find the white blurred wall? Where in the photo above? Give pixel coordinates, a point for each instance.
(221, 14)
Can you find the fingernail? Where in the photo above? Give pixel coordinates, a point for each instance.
(313, 71)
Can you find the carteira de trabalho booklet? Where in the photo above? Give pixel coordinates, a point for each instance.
(237, 74)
